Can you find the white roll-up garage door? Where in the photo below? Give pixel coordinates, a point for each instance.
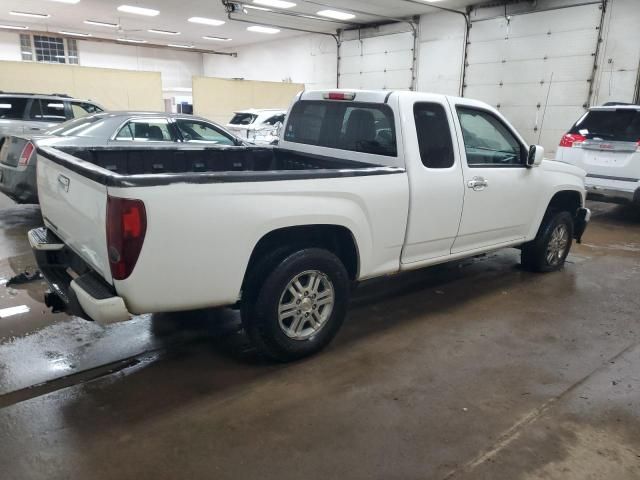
(533, 66)
(378, 60)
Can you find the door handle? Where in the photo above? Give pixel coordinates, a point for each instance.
(64, 182)
(478, 183)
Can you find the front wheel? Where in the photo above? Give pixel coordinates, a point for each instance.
(300, 305)
(549, 250)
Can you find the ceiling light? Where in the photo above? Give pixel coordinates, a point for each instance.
(261, 29)
(74, 34)
(147, 12)
(29, 14)
(101, 24)
(275, 3)
(253, 7)
(131, 40)
(217, 39)
(66, 1)
(336, 14)
(15, 27)
(163, 32)
(206, 21)
(177, 45)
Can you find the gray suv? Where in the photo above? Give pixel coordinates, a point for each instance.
(31, 114)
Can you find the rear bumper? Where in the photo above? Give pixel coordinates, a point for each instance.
(85, 294)
(612, 189)
(19, 184)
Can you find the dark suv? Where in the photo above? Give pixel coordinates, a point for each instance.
(30, 113)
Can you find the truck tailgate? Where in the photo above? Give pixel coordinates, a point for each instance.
(74, 207)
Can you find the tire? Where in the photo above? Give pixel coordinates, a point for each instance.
(285, 327)
(549, 250)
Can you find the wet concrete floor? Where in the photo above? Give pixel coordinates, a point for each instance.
(472, 370)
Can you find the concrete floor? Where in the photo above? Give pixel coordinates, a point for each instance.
(475, 370)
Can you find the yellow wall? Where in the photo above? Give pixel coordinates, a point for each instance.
(217, 98)
(113, 89)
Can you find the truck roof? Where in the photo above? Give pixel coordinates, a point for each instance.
(369, 96)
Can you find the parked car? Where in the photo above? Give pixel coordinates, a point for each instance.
(18, 159)
(605, 142)
(259, 126)
(362, 184)
(31, 113)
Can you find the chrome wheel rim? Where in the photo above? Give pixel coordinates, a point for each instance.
(557, 244)
(305, 305)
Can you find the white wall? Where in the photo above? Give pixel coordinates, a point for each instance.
(176, 67)
(308, 59)
(10, 46)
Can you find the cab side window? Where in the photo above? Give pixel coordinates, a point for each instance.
(434, 135)
(488, 141)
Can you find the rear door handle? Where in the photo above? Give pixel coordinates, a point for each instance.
(478, 183)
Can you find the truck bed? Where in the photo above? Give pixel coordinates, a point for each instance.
(145, 165)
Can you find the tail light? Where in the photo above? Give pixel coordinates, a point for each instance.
(572, 139)
(27, 151)
(126, 228)
(339, 96)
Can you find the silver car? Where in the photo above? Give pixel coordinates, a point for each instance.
(18, 158)
(30, 113)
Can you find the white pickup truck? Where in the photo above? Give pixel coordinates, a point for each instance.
(362, 184)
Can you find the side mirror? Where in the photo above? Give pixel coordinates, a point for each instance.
(535, 155)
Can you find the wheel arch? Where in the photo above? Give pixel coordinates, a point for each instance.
(337, 239)
(564, 198)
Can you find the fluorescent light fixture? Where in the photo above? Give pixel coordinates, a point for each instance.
(206, 21)
(253, 7)
(59, 106)
(15, 27)
(147, 12)
(73, 2)
(131, 40)
(261, 29)
(5, 106)
(217, 39)
(275, 3)
(30, 14)
(101, 24)
(74, 34)
(177, 45)
(163, 32)
(336, 14)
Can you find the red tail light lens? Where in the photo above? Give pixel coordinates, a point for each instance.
(26, 153)
(339, 96)
(571, 139)
(126, 228)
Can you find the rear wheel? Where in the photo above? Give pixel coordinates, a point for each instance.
(549, 250)
(299, 306)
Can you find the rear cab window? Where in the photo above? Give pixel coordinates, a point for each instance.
(620, 124)
(12, 108)
(354, 126)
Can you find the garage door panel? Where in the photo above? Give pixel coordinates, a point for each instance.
(388, 43)
(384, 61)
(538, 58)
(554, 21)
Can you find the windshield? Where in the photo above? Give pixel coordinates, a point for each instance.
(80, 127)
(622, 124)
(243, 119)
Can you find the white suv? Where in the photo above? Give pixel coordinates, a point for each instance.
(605, 142)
